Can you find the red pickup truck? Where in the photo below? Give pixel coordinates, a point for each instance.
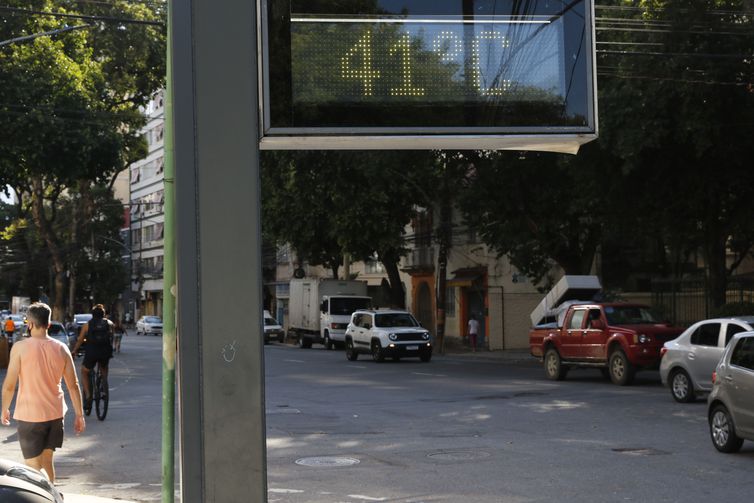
(618, 338)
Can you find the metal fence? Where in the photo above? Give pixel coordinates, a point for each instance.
(686, 301)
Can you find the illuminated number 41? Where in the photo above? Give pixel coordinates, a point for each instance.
(446, 43)
(357, 64)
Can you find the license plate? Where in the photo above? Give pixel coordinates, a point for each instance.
(412, 348)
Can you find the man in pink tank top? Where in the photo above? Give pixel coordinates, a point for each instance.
(38, 364)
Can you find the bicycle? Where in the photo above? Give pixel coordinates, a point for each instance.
(99, 393)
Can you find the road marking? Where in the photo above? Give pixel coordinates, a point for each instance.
(356, 366)
(285, 491)
(366, 498)
(431, 375)
(295, 361)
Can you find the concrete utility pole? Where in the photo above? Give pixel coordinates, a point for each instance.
(219, 301)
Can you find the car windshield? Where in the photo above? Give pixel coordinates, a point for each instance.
(16, 317)
(55, 329)
(152, 319)
(82, 318)
(629, 315)
(346, 306)
(395, 320)
(270, 321)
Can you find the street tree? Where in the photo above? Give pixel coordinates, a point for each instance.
(71, 102)
(328, 204)
(678, 107)
(543, 209)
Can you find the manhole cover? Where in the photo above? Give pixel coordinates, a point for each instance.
(641, 451)
(458, 455)
(327, 462)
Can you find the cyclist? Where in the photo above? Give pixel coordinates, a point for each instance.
(98, 333)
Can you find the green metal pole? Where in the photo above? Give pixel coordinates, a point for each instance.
(168, 292)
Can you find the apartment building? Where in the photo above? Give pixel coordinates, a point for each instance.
(146, 217)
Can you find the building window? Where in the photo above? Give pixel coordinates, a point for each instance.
(136, 238)
(450, 302)
(373, 266)
(135, 175)
(149, 233)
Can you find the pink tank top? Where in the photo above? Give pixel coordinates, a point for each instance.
(40, 394)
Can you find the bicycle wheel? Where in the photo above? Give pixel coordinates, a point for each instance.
(88, 401)
(103, 397)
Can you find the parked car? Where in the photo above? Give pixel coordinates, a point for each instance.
(74, 329)
(689, 360)
(149, 325)
(56, 330)
(272, 329)
(730, 406)
(79, 320)
(387, 333)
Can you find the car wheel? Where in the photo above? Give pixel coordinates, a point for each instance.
(301, 342)
(681, 386)
(281, 338)
(621, 370)
(377, 353)
(554, 367)
(722, 431)
(327, 342)
(351, 353)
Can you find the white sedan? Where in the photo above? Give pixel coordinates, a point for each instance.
(149, 325)
(689, 360)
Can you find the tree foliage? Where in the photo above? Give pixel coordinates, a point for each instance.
(671, 168)
(69, 104)
(327, 204)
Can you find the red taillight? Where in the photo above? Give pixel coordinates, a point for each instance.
(663, 350)
(714, 377)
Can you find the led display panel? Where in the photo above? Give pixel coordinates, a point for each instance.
(428, 67)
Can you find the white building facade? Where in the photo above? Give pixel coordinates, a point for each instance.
(146, 215)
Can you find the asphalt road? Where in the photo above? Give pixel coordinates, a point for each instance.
(463, 428)
(120, 456)
(471, 429)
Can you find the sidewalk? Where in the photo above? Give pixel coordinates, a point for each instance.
(502, 356)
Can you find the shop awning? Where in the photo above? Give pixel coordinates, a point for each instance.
(465, 277)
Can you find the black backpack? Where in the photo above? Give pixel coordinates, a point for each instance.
(99, 333)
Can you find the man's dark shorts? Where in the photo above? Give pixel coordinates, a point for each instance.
(36, 437)
(94, 357)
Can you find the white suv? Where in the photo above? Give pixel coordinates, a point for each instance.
(387, 333)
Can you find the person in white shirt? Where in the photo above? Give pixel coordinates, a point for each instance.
(473, 332)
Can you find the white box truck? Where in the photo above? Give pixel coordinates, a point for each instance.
(319, 309)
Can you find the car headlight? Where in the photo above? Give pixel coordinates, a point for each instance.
(393, 337)
(643, 338)
(425, 336)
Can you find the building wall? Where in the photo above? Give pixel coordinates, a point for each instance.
(146, 214)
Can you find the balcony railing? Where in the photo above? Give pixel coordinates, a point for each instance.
(420, 258)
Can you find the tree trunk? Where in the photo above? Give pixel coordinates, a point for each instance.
(48, 236)
(397, 295)
(444, 242)
(715, 255)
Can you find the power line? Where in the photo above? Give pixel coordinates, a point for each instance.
(30, 12)
(43, 34)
